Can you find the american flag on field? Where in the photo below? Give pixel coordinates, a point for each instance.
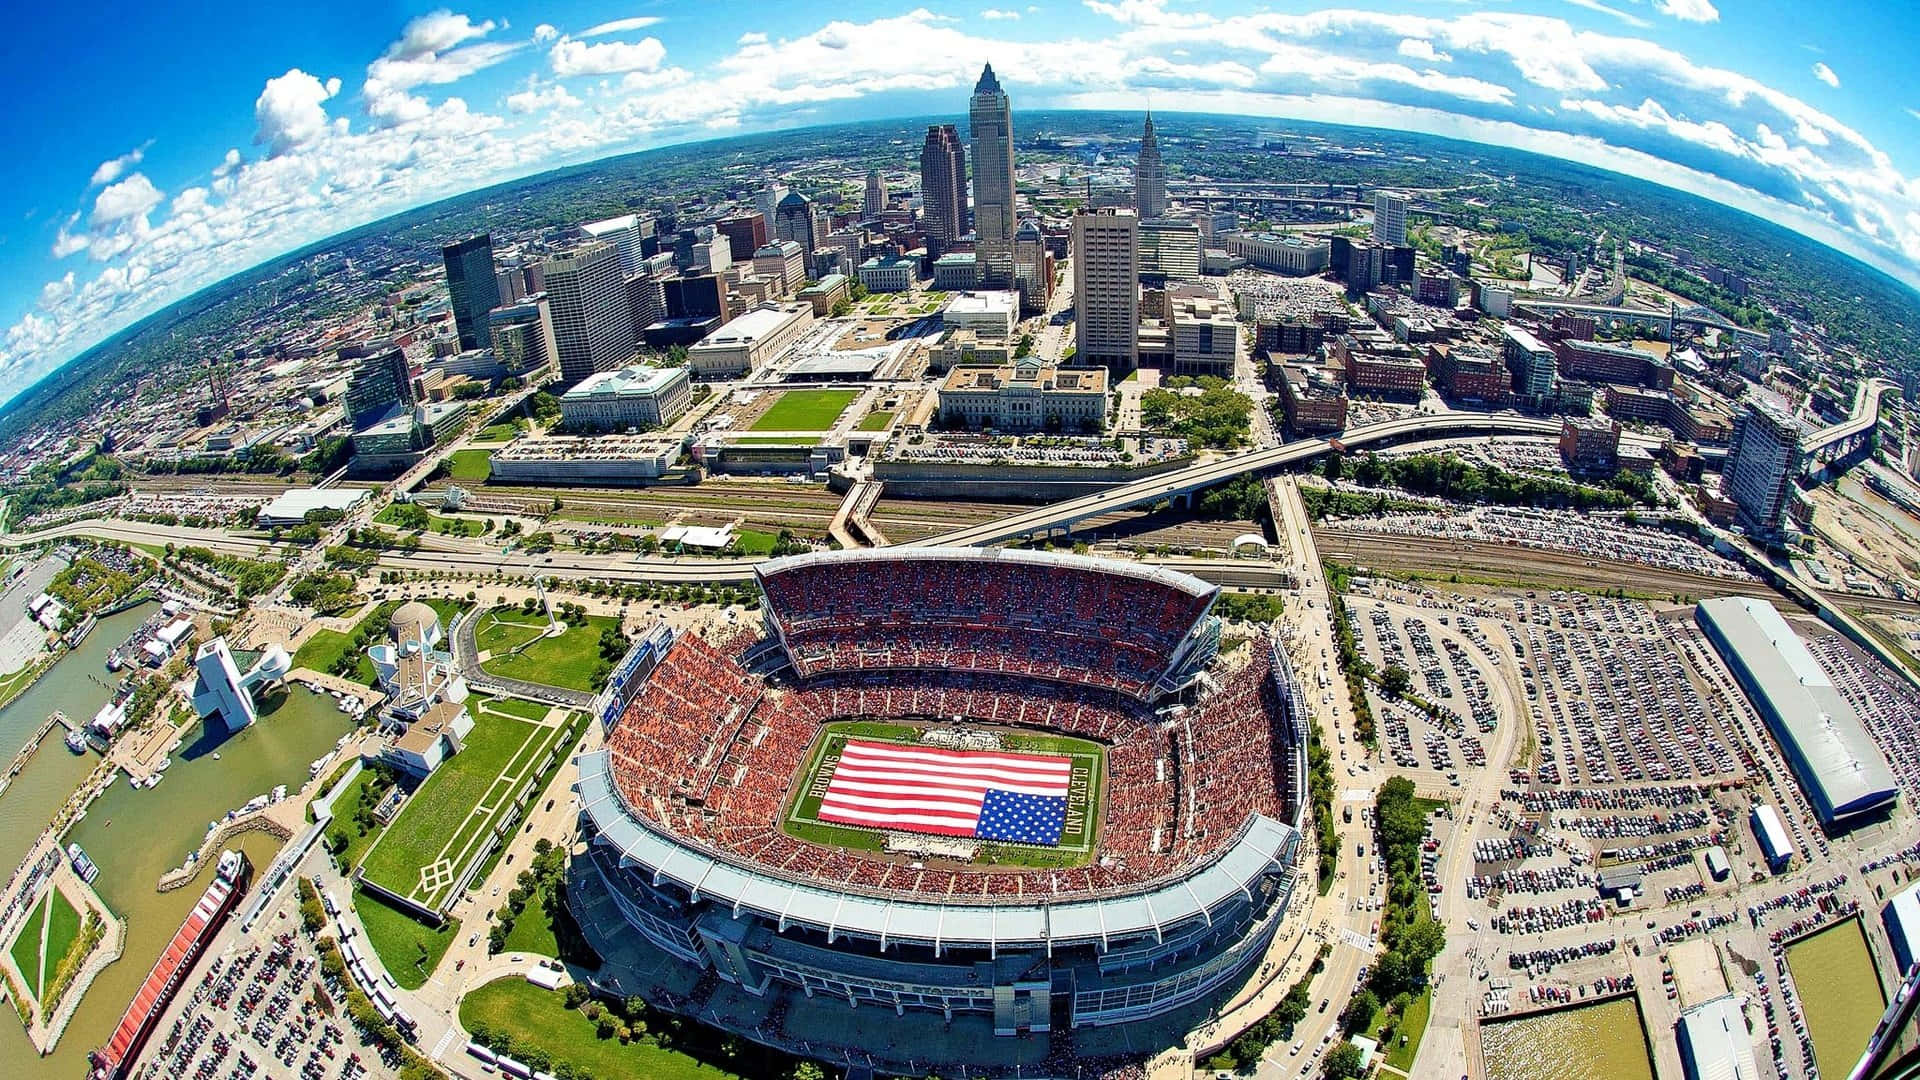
(984, 794)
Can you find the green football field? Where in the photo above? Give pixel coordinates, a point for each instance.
(1077, 840)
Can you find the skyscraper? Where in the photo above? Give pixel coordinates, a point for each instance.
(591, 322)
(1762, 461)
(943, 188)
(1150, 177)
(990, 118)
(1390, 218)
(876, 198)
(793, 220)
(1032, 270)
(380, 380)
(746, 233)
(623, 233)
(1106, 288)
(471, 288)
(522, 335)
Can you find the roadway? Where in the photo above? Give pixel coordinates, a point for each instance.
(1194, 478)
(1865, 415)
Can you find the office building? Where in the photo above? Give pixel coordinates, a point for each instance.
(1389, 219)
(1282, 254)
(793, 220)
(826, 293)
(784, 262)
(746, 233)
(943, 189)
(592, 322)
(511, 283)
(1762, 461)
(768, 201)
(623, 233)
(1534, 367)
(876, 197)
(1106, 287)
(1149, 176)
(1025, 396)
(956, 272)
(471, 288)
(522, 336)
(1206, 339)
(990, 118)
(381, 380)
(749, 342)
(700, 296)
(1169, 250)
(991, 315)
(646, 301)
(1314, 399)
(1032, 268)
(1589, 444)
(887, 273)
(710, 254)
(637, 397)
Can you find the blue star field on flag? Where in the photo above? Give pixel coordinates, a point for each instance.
(1020, 818)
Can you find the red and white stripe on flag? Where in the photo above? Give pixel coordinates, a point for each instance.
(927, 789)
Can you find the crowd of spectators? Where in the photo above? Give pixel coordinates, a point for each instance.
(712, 753)
(1060, 621)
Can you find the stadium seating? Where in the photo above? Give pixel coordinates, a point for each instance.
(1060, 620)
(711, 752)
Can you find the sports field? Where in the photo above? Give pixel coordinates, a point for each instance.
(805, 410)
(445, 824)
(1084, 802)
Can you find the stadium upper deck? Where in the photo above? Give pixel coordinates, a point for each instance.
(1143, 631)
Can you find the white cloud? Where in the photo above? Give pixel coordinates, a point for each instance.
(1421, 49)
(620, 26)
(131, 198)
(1627, 17)
(290, 112)
(1701, 11)
(1825, 74)
(111, 169)
(1533, 82)
(998, 14)
(541, 99)
(570, 57)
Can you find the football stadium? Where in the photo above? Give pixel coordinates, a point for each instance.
(967, 793)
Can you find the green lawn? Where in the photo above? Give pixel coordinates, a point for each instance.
(446, 820)
(536, 1017)
(394, 516)
(343, 804)
(776, 440)
(322, 650)
(500, 432)
(805, 410)
(752, 542)
(1413, 1027)
(533, 930)
(63, 929)
(26, 948)
(877, 420)
(469, 466)
(569, 661)
(409, 948)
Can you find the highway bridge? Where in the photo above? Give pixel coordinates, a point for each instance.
(1852, 438)
(1180, 485)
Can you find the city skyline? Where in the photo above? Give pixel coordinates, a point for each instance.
(121, 214)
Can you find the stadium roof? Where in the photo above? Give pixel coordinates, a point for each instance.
(1172, 579)
(1263, 846)
(1838, 763)
(1715, 1043)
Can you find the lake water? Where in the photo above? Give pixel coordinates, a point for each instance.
(137, 835)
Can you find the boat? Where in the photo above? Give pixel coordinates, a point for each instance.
(76, 741)
(115, 1060)
(111, 777)
(165, 764)
(216, 755)
(83, 867)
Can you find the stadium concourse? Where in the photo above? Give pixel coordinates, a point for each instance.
(710, 891)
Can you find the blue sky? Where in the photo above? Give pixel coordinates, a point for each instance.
(158, 148)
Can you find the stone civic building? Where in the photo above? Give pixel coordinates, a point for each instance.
(1025, 396)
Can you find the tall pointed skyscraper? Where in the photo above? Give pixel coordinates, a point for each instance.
(943, 188)
(990, 116)
(1150, 177)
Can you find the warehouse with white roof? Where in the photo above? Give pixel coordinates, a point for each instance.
(1843, 772)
